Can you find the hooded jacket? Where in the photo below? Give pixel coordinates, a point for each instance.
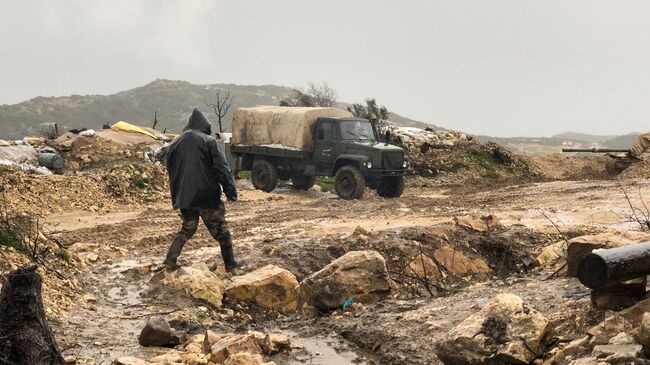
(198, 168)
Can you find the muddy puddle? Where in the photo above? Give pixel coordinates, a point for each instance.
(320, 350)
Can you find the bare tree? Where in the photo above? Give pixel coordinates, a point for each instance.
(376, 114)
(314, 95)
(323, 94)
(155, 119)
(222, 105)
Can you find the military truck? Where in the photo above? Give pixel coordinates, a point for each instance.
(299, 144)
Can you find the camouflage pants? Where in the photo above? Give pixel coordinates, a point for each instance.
(213, 218)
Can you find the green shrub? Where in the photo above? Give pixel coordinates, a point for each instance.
(62, 254)
(10, 238)
(326, 183)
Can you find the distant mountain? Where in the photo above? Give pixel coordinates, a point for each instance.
(623, 141)
(591, 138)
(174, 101)
(530, 145)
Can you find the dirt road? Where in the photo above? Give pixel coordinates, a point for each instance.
(130, 242)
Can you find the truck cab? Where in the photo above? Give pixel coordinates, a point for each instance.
(353, 144)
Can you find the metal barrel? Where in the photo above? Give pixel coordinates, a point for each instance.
(51, 160)
(597, 150)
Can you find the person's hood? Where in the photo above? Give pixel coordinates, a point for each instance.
(198, 122)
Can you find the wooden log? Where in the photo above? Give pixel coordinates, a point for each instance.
(603, 268)
(25, 336)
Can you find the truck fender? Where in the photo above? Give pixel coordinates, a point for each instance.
(346, 159)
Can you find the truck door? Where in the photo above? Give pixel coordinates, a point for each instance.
(324, 153)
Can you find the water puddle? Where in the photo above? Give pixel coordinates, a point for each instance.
(320, 350)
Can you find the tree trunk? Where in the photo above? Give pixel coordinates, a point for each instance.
(603, 268)
(25, 336)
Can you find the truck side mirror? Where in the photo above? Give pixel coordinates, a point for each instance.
(387, 136)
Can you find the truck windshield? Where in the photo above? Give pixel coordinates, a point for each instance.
(357, 130)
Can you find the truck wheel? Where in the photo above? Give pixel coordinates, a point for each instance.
(391, 187)
(303, 182)
(349, 183)
(264, 175)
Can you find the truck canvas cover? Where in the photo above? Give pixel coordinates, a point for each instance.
(279, 126)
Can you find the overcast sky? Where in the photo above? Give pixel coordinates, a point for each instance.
(507, 67)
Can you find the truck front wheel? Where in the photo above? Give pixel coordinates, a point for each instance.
(303, 182)
(264, 175)
(391, 187)
(349, 183)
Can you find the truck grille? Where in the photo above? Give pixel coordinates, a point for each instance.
(392, 160)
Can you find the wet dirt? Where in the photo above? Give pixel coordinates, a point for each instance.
(303, 231)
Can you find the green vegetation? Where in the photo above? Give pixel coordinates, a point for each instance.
(62, 254)
(326, 183)
(245, 175)
(10, 238)
(139, 182)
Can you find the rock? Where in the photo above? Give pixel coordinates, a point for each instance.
(270, 287)
(551, 254)
(619, 296)
(643, 333)
(194, 359)
(571, 351)
(244, 358)
(579, 247)
(198, 282)
(170, 357)
(588, 361)
(459, 264)
(505, 331)
(422, 266)
(480, 224)
(361, 275)
(362, 231)
(634, 314)
(610, 327)
(157, 333)
(275, 343)
(232, 344)
(129, 360)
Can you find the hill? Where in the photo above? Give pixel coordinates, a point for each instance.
(174, 101)
(575, 136)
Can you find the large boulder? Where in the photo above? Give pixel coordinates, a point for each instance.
(580, 247)
(361, 275)
(197, 282)
(505, 331)
(157, 333)
(270, 287)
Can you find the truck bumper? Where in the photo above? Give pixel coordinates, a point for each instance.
(383, 173)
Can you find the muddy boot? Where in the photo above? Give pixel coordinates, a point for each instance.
(228, 256)
(173, 253)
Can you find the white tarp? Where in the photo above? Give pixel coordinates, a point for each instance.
(279, 125)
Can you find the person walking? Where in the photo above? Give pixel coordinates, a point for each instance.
(197, 172)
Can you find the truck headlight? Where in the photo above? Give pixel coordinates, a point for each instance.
(405, 164)
(369, 164)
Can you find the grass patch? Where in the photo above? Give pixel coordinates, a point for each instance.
(326, 183)
(10, 238)
(62, 254)
(139, 182)
(244, 174)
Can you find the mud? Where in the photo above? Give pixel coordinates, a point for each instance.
(303, 231)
